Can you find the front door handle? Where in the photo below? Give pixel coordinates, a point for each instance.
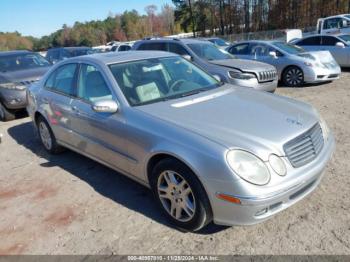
(75, 109)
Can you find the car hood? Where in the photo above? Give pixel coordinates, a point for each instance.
(24, 76)
(243, 65)
(239, 118)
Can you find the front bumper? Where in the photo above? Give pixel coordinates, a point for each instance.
(13, 99)
(318, 75)
(253, 83)
(259, 207)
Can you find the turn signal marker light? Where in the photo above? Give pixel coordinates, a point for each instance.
(229, 198)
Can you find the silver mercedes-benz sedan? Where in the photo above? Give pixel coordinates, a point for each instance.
(209, 151)
(295, 66)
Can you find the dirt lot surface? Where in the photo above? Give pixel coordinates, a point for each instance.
(68, 204)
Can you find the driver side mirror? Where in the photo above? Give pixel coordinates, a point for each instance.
(187, 57)
(273, 54)
(105, 106)
(340, 44)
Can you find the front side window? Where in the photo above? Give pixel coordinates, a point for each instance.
(259, 49)
(153, 80)
(333, 23)
(345, 38)
(177, 49)
(124, 48)
(209, 52)
(310, 41)
(16, 62)
(329, 41)
(91, 85)
(62, 79)
(241, 49)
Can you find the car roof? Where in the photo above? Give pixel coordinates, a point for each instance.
(14, 52)
(337, 16)
(120, 57)
(70, 48)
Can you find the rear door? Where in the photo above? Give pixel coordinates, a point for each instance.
(56, 98)
(100, 135)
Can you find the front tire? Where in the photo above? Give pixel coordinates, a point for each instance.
(180, 195)
(5, 114)
(47, 137)
(293, 76)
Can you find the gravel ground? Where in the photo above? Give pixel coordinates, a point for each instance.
(68, 204)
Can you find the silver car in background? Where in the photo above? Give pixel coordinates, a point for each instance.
(218, 62)
(209, 151)
(337, 45)
(295, 66)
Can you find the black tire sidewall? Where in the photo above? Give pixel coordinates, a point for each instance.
(203, 213)
(285, 82)
(7, 114)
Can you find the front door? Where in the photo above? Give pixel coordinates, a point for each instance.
(100, 135)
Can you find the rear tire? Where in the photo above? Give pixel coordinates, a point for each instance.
(5, 114)
(293, 76)
(47, 137)
(180, 195)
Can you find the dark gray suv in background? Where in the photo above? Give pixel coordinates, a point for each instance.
(217, 62)
(18, 70)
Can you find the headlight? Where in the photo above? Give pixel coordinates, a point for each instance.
(239, 75)
(13, 86)
(324, 127)
(248, 167)
(277, 165)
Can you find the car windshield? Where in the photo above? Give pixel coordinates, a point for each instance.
(209, 52)
(346, 38)
(219, 42)
(15, 62)
(289, 48)
(159, 79)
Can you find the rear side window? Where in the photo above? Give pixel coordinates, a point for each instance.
(124, 48)
(153, 46)
(310, 41)
(177, 49)
(242, 49)
(62, 79)
(329, 40)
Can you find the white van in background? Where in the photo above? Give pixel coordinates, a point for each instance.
(338, 24)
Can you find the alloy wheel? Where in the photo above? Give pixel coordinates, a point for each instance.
(294, 77)
(176, 196)
(45, 135)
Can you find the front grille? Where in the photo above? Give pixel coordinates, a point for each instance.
(267, 76)
(306, 147)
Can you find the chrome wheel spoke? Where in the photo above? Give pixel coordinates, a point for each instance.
(176, 196)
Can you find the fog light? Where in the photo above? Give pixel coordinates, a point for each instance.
(228, 198)
(261, 212)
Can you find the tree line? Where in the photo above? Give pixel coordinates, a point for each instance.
(222, 17)
(226, 17)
